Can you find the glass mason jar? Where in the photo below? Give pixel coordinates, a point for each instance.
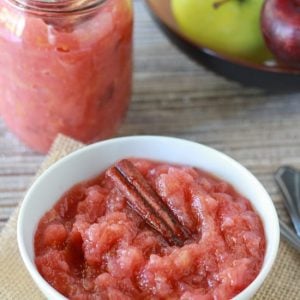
(65, 67)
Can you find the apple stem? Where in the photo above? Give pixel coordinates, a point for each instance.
(217, 4)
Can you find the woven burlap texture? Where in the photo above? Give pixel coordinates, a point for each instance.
(15, 282)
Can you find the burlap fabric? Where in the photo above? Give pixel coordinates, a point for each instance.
(15, 282)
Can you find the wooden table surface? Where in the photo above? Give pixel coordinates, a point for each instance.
(174, 96)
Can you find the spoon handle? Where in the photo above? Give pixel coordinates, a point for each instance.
(289, 235)
(287, 179)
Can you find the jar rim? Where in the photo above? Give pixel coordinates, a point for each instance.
(56, 7)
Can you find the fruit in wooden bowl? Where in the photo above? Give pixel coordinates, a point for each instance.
(280, 24)
(228, 26)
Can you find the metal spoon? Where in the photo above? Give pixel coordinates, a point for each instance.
(289, 235)
(287, 179)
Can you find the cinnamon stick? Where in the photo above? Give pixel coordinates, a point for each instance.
(143, 199)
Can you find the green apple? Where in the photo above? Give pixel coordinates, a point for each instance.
(227, 26)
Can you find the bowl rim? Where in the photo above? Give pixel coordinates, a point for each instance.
(45, 286)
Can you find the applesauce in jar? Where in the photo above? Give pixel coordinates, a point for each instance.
(65, 67)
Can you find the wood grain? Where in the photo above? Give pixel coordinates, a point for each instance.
(174, 96)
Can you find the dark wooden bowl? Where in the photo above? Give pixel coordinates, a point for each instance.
(267, 74)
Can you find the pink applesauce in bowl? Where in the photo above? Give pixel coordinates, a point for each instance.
(64, 69)
(96, 244)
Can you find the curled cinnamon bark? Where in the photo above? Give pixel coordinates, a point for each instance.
(142, 198)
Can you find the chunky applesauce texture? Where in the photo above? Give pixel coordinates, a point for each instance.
(73, 79)
(92, 245)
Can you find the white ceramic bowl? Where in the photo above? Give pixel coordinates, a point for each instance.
(92, 160)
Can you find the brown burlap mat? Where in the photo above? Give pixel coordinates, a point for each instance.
(15, 282)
